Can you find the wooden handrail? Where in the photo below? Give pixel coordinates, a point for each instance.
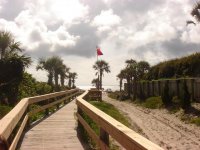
(20, 113)
(125, 136)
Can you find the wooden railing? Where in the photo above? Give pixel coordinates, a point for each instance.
(109, 126)
(94, 94)
(14, 123)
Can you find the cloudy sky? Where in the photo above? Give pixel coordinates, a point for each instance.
(150, 30)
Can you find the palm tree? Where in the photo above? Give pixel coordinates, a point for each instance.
(95, 82)
(131, 71)
(57, 68)
(101, 66)
(46, 64)
(54, 66)
(69, 80)
(7, 44)
(121, 76)
(143, 68)
(74, 76)
(195, 11)
(63, 74)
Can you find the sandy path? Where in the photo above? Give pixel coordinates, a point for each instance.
(161, 127)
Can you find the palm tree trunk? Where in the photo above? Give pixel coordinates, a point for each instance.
(128, 87)
(101, 74)
(70, 82)
(134, 89)
(50, 79)
(120, 85)
(56, 81)
(62, 80)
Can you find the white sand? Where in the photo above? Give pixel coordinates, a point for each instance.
(160, 127)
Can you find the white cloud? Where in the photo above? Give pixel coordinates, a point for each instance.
(191, 35)
(106, 20)
(124, 29)
(2, 2)
(52, 11)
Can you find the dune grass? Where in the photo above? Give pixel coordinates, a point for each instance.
(151, 102)
(111, 111)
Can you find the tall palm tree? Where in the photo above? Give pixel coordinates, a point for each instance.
(54, 66)
(131, 71)
(63, 74)
(121, 76)
(95, 82)
(7, 44)
(143, 68)
(58, 68)
(46, 64)
(195, 11)
(101, 66)
(74, 76)
(69, 79)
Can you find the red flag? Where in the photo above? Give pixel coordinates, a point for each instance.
(99, 52)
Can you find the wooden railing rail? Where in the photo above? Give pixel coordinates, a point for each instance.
(109, 126)
(17, 119)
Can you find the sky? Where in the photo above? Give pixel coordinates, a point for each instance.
(150, 30)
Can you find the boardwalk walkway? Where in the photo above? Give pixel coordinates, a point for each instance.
(57, 132)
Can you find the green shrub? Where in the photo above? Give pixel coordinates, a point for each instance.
(108, 109)
(38, 115)
(196, 121)
(118, 95)
(185, 96)
(114, 95)
(4, 110)
(153, 102)
(166, 97)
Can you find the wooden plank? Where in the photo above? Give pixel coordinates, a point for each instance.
(18, 135)
(57, 132)
(8, 123)
(125, 136)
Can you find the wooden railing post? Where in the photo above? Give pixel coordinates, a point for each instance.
(28, 121)
(65, 101)
(79, 124)
(47, 109)
(104, 136)
(58, 105)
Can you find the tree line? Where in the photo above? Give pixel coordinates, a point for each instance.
(56, 70)
(134, 71)
(16, 83)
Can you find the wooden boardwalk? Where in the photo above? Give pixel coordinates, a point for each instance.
(57, 132)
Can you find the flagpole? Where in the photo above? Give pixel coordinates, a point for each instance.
(98, 69)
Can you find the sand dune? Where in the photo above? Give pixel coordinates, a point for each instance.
(160, 127)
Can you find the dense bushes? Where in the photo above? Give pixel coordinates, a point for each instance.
(30, 87)
(4, 110)
(26, 87)
(11, 75)
(185, 66)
